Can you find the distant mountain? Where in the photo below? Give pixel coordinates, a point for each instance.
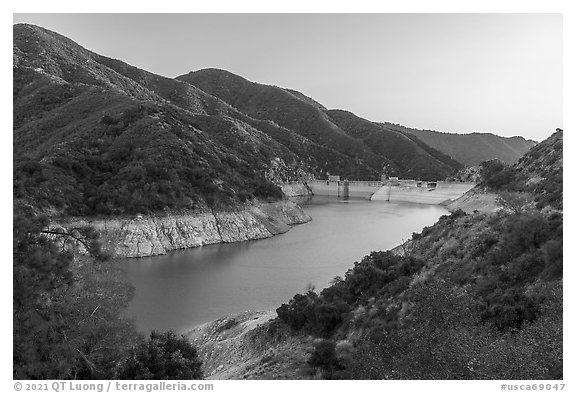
(365, 141)
(471, 149)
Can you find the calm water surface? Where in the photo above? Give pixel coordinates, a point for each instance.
(188, 287)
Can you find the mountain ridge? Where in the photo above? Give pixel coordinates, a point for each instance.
(75, 116)
(486, 146)
(76, 112)
(307, 118)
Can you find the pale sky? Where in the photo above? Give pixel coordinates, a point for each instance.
(499, 73)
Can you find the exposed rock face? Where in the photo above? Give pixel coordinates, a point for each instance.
(155, 235)
(477, 200)
(296, 189)
(224, 345)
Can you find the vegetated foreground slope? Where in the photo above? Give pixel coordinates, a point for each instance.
(475, 296)
(364, 141)
(471, 149)
(539, 172)
(69, 314)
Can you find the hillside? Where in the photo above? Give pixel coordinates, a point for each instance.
(104, 146)
(538, 173)
(357, 138)
(89, 139)
(475, 296)
(85, 125)
(96, 136)
(409, 154)
(471, 149)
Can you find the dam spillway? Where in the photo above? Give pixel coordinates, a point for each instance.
(344, 188)
(415, 191)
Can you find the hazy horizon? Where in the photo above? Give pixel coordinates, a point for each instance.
(461, 73)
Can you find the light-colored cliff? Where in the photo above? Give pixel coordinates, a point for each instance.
(296, 189)
(477, 200)
(143, 236)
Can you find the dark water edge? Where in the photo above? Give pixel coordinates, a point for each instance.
(188, 287)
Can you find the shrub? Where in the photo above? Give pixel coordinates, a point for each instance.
(553, 259)
(162, 356)
(67, 316)
(296, 313)
(324, 357)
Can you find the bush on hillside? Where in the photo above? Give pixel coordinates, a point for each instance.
(162, 356)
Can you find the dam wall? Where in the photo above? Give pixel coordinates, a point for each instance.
(421, 192)
(344, 188)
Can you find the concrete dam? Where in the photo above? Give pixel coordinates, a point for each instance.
(344, 188)
(392, 190)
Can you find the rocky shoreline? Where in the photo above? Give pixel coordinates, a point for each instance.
(149, 235)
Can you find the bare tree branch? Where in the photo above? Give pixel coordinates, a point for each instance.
(68, 234)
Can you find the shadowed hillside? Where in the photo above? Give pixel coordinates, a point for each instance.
(90, 140)
(346, 134)
(94, 135)
(85, 123)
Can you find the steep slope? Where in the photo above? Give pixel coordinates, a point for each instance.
(537, 174)
(413, 158)
(61, 60)
(290, 109)
(471, 149)
(319, 159)
(475, 296)
(91, 140)
(540, 171)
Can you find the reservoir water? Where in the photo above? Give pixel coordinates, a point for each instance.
(185, 288)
